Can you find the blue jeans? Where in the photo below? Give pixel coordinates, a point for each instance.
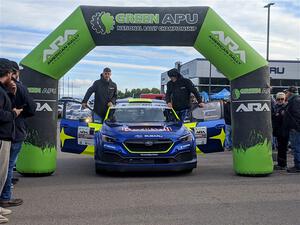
(228, 139)
(14, 151)
(295, 143)
(183, 114)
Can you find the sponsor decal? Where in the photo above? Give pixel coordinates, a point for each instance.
(236, 93)
(184, 146)
(127, 129)
(34, 90)
(152, 136)
(59, 45)
(85, 135)
(253, 107)
(138, 136)
(38, 90)
(43, 107)
(148, 154)
(228, 46)
(200, 135)
(104, 22)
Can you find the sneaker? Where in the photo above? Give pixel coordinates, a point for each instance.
(276, 167)
(293, 170)
(11, 203)
(4, 212)
(3, 219)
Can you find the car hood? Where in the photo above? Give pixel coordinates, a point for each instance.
(145, 130)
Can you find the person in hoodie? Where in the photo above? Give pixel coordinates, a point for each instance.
(178, 94)
(22, 100)
(105, 95)
(8, 114)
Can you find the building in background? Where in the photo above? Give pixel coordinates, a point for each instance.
(284, 73)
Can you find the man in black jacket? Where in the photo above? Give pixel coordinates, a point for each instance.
(292, 121)
(24, 101)
(7, 126)
(178, 94)
(228, 128)
(105, 95)
(279, 132)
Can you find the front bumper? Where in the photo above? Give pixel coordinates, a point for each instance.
(111, 161)
(122, 167)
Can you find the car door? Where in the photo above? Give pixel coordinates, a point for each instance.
(77, 129)
(208, 125)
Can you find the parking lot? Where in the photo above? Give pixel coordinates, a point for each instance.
(211, 194)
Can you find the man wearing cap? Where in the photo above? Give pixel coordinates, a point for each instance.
(178, 94)
(292, 122)
(105, 95)
(279, 132)
(24, 101)
(7, 127)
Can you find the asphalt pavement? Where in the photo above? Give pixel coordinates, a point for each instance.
(211, 194)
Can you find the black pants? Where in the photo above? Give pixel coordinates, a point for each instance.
(282, 150)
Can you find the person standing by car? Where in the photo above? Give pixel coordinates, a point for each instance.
(178, 94)
(7, 126)
(279, 132)
(228, 128)
(24, 101)
(105, 95)
(292, 121)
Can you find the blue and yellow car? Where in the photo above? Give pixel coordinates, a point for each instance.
(143, 135)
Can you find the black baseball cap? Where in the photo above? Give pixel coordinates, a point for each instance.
(106, 70)
(5, 66)
(173, 73)
(293, 89)
(15, 66)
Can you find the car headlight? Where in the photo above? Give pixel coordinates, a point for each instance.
(185, 138)
(106, 138)
(88, 120)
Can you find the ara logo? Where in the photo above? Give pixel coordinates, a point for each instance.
(43, 107)
(232, 46)
(253, 107)
(57, 43)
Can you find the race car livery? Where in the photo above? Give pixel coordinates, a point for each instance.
(143, 135)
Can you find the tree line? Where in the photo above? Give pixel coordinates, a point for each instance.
(135, 93)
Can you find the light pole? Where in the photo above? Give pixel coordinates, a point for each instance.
(268, 27)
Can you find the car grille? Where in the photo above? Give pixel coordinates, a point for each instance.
(148, 145)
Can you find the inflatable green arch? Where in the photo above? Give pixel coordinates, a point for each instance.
(200, 27)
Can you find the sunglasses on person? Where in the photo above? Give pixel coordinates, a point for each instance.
(280, 99)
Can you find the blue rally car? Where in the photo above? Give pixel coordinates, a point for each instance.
(140, 135)
(143, 135)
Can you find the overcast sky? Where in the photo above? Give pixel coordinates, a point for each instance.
(25, 23)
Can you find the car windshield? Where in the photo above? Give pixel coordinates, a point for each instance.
(141, 115)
